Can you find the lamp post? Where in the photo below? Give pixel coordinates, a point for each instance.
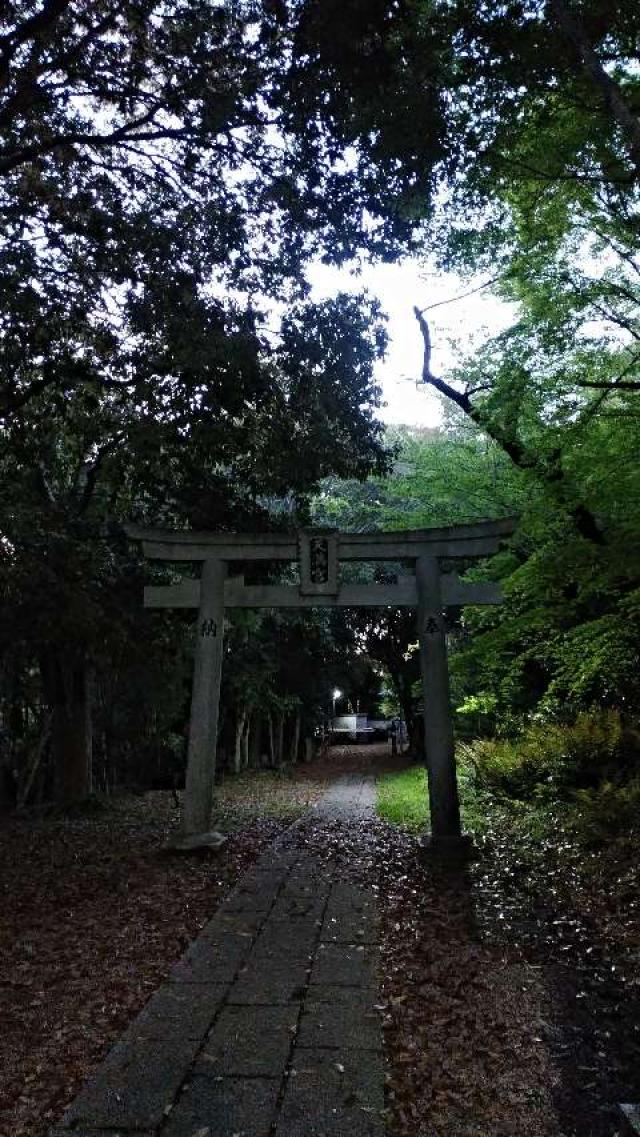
(335, 695)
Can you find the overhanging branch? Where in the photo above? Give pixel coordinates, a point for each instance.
(547, 468)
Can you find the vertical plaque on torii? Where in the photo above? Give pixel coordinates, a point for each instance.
(318, 561)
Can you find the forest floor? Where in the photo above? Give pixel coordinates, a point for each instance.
(510, 990)
(93, 914)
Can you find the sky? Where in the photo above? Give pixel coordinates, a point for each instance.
(456, 327)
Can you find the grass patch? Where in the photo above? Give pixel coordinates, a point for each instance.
(401, 798)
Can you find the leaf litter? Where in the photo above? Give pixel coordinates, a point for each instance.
(94, 913)
(509, 989)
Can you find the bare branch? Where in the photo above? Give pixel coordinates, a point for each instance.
(547, 467)
(458, 397)
(463, 295)
(88, 477)
(474, 390)
(612, 385)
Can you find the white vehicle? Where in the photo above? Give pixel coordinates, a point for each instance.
(381, 728)
(351, 728)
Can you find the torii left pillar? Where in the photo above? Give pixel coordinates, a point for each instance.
(205, 705)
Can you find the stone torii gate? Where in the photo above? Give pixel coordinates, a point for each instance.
(319, 554)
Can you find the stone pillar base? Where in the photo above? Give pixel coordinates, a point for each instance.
(194, 842)
(446, 850)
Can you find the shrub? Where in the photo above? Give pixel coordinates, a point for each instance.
(553, 760)
(607, 812)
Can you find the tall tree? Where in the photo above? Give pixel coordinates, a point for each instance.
(165, 173)
(198, 135)
(545, 200)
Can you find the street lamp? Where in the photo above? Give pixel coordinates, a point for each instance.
(336, 694)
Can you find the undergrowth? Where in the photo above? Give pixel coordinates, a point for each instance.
(582, 779)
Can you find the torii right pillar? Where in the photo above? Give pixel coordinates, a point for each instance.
(446, 836)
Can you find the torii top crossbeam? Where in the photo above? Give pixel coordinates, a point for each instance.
(475, 540)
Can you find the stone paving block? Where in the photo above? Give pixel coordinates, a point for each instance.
(294, 907)
(325, 867)
(333, 1093)
(243, 925)
(350, 898)
(350, 1022)
(310, 900)
(345, 964)
(225, 1107)
(306, 889)
(278, 860)
(82, 1132)
(254, 894)
(272, 982)
(249, 1042)
(134, 1085)
(346, 801)
(186, 1009)
(248, 902)
(309, 874)
(207, 962)
(329, 993)
(353, 927)
(296, 939)
(259, 882)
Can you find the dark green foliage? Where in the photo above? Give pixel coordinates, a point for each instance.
(609, 812)
(552, 760)
(371, 77)
(159, 188)
(583, 778)
(566, 637)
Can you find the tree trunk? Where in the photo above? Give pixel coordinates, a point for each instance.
(244, 744)
(67, 682)
(280, 740)
(272, 743)
(402, 686)
(25, 788)
(254, 745)
(547, 468)
(295, 747)
(237, 749)
(415, 740)
(618, 107)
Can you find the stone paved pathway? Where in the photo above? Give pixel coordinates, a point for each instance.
(266, 1026)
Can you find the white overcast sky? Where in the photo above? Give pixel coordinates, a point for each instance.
(455, 328)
